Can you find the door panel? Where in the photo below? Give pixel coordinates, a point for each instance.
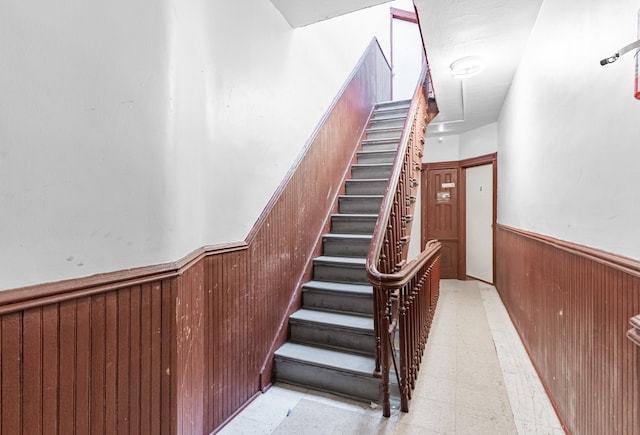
(449, 259)
(479, 222)
(442, 215)
(443, 196)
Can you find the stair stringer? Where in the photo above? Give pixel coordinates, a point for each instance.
(295, 300)
(364, 382)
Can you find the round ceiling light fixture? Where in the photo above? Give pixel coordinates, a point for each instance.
(467, 66)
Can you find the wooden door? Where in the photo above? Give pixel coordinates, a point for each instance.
(478, 181)
(442, 215)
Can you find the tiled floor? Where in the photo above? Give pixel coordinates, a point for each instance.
(475, 378)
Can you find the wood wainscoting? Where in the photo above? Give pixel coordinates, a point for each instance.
(571, 305)
(179, 348)
(89, 358)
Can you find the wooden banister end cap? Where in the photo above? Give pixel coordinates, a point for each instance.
(633, 334)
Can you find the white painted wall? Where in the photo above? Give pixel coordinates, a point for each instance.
(274, 89)
(479, 142)
(83, 141)
(441, 149)
(568, 136)
(474, 143)
(123, 126)
(407, 58)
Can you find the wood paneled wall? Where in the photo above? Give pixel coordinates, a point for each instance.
(232, 350)
(571, 306)
(180, 348)
(91, 362)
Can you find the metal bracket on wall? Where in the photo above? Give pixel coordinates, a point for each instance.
(627, 48)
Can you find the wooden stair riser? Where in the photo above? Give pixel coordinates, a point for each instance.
(370, 171)
(366, 204)
(366, 187)
(346, 339)
(338, 272)
(337, 301)
(345, 246)
(353, 224)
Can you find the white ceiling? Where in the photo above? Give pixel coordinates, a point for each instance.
(299, 13)
(496, 30)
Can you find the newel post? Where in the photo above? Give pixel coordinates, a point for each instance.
(634, 333)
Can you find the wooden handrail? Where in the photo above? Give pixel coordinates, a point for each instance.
(398, 280)
(405, 293)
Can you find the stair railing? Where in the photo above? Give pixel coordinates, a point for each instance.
(405, 293)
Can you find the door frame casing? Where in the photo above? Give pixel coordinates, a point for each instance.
(402, 15)
(486, 159)
(461, 166)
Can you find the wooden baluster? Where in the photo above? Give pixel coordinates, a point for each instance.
(407, 349)
(392, 243)
(384, 345)
(396, 234)
(415, 315)
(424, 308)
(426, 301)
(426, 286)
(386, 258)
(417, 327)
(412, 332)
(377, 295)
(409, 326)
(419, 311)
(404, 393)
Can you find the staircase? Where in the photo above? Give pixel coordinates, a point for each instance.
(331, 343)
